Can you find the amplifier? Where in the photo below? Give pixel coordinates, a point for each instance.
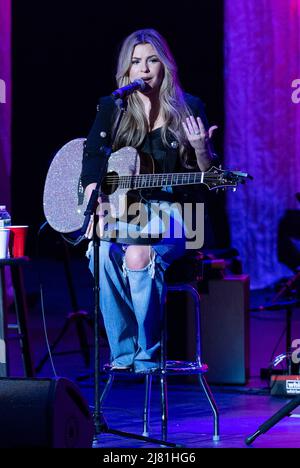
(225, 329)
(224, 325)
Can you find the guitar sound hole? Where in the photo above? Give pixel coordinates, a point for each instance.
(110, 183)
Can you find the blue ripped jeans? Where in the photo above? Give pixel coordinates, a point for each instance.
(131, 302)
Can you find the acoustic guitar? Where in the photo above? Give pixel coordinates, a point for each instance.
(128, 172)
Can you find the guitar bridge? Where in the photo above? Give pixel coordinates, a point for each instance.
(80, 192)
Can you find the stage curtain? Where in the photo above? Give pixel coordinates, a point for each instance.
(262, 126)
(5, 101)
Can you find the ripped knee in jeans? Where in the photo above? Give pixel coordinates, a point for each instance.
(150, 266)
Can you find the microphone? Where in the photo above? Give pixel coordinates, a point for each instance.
(129, 89)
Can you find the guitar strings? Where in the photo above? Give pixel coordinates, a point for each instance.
(137, 186)
(140, 180)
(158, 177)
(173, 174)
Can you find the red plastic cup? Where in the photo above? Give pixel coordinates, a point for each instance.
(17, 240)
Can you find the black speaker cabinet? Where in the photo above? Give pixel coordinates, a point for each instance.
(225, 329)
(48, 413)
(289, 239)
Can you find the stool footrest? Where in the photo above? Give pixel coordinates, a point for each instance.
(185, 367)
(172, 367)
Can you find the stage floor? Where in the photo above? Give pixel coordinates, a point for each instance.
(242, 408)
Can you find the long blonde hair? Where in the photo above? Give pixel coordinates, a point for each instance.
(134, 125)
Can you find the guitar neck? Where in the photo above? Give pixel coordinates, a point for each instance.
(162, 180)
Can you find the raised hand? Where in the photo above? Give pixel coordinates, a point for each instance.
(196, 134)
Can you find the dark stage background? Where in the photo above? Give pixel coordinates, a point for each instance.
(64, 56)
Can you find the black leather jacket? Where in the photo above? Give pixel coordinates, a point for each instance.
(99, 137)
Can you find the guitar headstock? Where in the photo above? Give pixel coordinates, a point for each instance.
(216, 178)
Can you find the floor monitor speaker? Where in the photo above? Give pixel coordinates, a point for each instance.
(44, 413)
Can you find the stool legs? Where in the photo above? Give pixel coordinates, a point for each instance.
(146, 418)
(106, 389)
(21, 313)
(22, 321)
(164, 406)
(189, 288)
(208, 393)
(163, 377)
(211, 400)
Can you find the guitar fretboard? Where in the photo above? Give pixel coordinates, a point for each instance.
(164, 180)
(213, 178)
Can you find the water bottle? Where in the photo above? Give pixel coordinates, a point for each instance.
(5, 219)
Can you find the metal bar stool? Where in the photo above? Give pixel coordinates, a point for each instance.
(21, 325)
(171, 368)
